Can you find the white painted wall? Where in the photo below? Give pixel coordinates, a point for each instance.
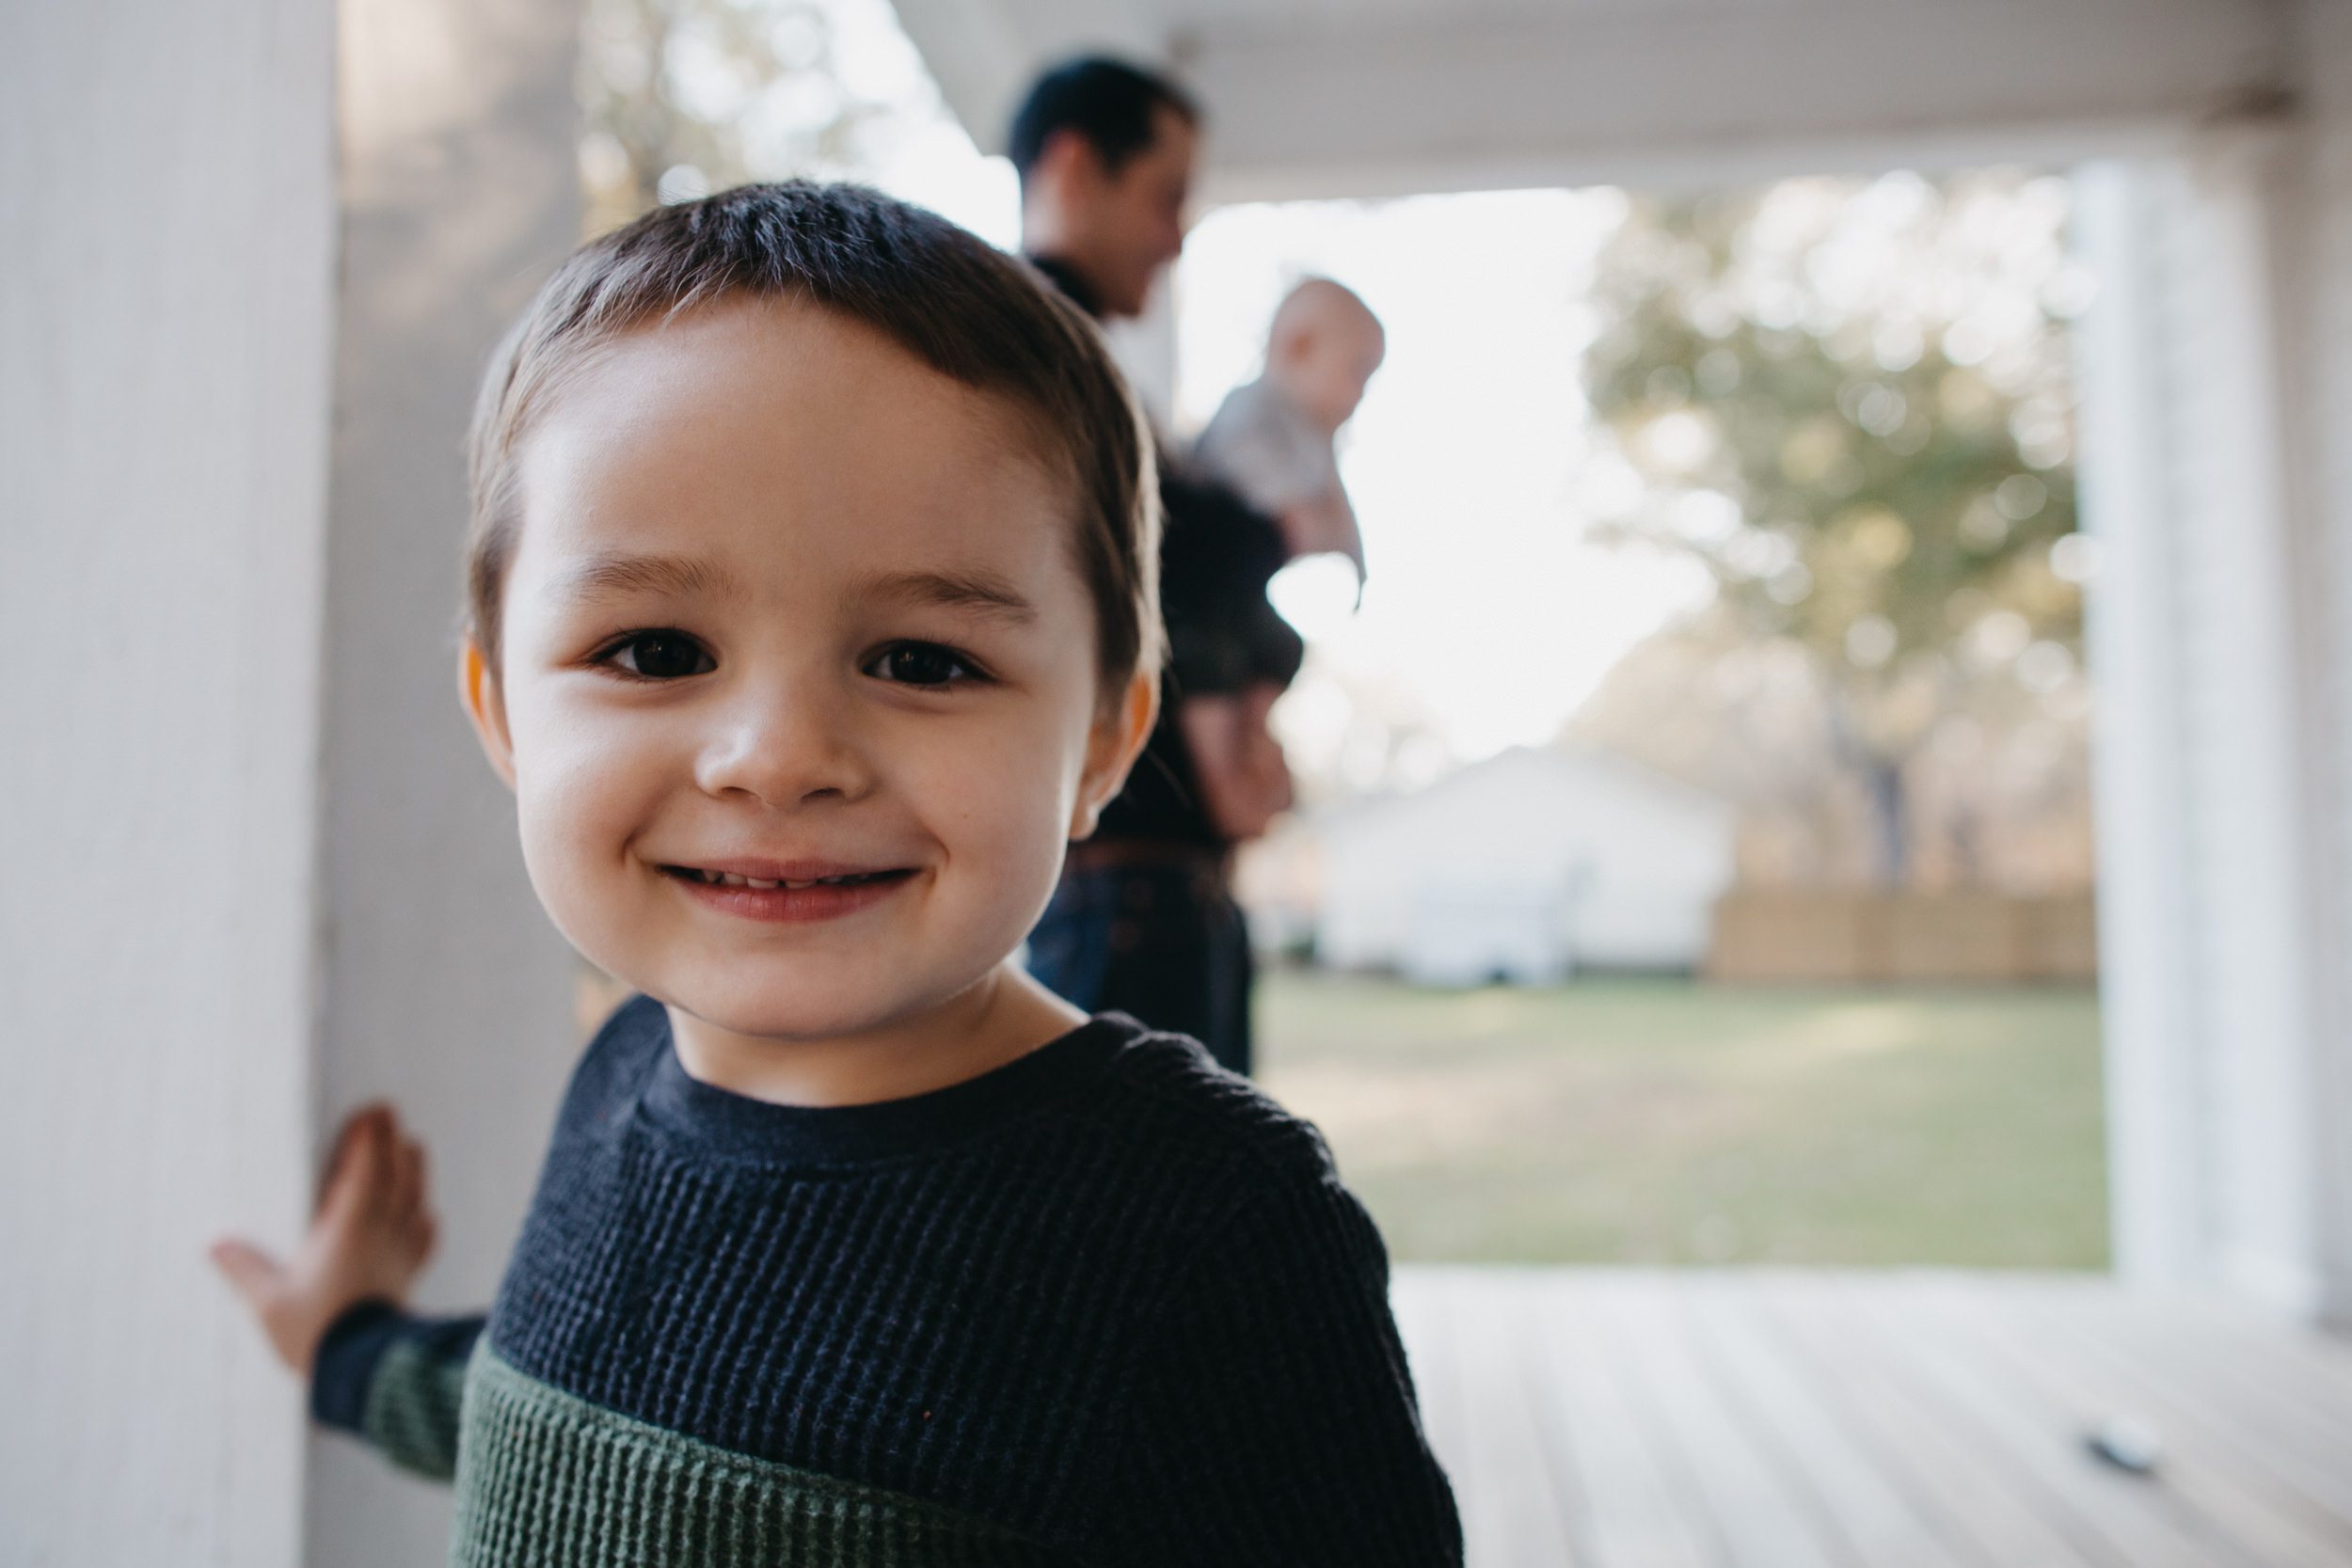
(166, 318)
(446, 988)
(1533, 861)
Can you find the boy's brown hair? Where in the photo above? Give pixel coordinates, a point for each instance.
(953, 301)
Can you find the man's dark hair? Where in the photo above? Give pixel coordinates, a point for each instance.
(1113, 105)
(955, 302)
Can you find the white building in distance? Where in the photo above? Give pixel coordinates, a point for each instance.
(1526, 867)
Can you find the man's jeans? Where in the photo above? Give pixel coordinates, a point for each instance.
(1164, 944)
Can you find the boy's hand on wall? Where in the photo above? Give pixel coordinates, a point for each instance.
(369, 1239)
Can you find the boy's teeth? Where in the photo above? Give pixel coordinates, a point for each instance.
(728, 879)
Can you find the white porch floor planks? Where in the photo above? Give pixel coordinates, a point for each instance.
(1782, 1419)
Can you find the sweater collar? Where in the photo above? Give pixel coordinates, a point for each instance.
(728, 1126)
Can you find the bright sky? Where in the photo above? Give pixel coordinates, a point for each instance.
(1488, 618)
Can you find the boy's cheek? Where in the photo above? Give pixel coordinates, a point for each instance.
(577, 821)
(1005, 789)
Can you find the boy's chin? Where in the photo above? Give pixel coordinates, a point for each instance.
(798, 1015)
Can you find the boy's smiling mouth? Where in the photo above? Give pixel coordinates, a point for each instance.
(786, 890)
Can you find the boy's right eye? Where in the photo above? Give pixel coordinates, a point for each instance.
(658, 656)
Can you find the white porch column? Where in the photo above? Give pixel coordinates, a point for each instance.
(2157, 1161)
(167, 310)
(2215, 962)
(255, 871)
(446, 990)
(2323, 400)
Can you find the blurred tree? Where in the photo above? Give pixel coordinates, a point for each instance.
(1851, 403)
(684, 97)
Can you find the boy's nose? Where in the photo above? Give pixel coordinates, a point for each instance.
(785, 748)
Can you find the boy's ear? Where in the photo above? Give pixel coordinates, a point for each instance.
(1117, 738)
(1066, 156)
(486, 706)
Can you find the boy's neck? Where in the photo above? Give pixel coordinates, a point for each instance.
(998, 1020)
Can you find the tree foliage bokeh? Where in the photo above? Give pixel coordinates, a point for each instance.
(684, 97)
(1853, 405)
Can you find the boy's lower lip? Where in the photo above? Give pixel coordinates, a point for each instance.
(792, 905)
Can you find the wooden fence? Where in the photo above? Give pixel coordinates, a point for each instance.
(1838, 937)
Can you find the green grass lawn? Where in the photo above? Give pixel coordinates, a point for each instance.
(1656, 1121)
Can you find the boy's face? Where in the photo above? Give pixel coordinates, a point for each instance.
(1331, 367)
(788, 605)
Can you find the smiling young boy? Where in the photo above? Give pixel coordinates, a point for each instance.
(811, 617)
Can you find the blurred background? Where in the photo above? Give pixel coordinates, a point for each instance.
(1824, 863)
(1717, 691)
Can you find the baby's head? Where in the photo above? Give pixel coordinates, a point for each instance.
(1323, 349)
(812, 603)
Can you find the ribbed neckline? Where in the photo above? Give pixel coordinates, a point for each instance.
(721, 1123)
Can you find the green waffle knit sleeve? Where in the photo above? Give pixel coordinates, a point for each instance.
(397, 1381)
(413, 1405)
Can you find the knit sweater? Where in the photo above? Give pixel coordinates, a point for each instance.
(1107, 1304)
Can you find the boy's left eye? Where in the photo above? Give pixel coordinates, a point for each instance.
(922, 664)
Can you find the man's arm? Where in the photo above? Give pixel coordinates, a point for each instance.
(1324, 523)
(1245, 782)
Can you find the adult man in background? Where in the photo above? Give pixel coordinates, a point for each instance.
(1144, 921)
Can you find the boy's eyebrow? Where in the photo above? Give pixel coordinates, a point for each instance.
(983, 592)
(610, 574)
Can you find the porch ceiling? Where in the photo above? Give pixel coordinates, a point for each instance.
(1360, 97)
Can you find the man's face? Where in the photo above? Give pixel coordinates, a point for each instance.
(1128, 224)
(790, 608)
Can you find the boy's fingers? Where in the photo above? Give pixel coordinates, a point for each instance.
(391, 1166)
(347, 1138)
(423, 1230)
(252, 1272)
(361, 1169)
(407, 1191)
